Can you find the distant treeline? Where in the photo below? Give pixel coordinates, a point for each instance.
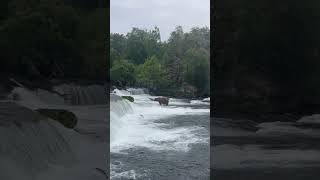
(53, 38)
(178, 66)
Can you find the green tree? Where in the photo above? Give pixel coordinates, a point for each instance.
(196, 69)
(40, 36)
(117, 47)
(142, 44)
(167, 67)
(91, 39)
(152, 74)
(122, 73)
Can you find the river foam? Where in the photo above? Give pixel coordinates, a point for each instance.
(134, 124)
(144, 124)
(37, 147)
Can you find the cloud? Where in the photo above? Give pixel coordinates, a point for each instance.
(166, 14)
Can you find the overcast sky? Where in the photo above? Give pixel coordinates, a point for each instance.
(165, 14)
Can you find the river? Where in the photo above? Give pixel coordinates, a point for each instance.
(149, 141)
(34, 147)
(244, 149)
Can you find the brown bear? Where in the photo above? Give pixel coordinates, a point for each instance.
(162, 100)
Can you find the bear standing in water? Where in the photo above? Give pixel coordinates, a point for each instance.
(162, 100)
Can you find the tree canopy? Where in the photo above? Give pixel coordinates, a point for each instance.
(175, 65)
(53, 39)
(266, 55)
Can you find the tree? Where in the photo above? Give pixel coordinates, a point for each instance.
(142, 44)
(175, 52)
(152, 74)
(122, 73)
(117, 47)
(46, 39)
(39, 35)
(196, 69)
(167, 67)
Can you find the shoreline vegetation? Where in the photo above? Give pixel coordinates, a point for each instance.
(178, 67)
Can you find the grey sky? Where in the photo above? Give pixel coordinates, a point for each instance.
(165, 14)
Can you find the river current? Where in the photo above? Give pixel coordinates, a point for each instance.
(149, 141)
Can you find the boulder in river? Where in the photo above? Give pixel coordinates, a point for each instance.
(66, 118)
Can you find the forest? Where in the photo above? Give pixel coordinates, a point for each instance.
(45, 39)
(266, 57)
(179, 66)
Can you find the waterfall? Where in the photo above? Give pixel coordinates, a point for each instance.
(36, 147)
(118, 109)
(144, 124)
(83, 95)
(35, 99)
(131, 91)
(61, 95)
(133, 123)
(29, 142)
(137, 91)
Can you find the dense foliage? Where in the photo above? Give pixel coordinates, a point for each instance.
(266, 55)
(53, 38)
(178, 66)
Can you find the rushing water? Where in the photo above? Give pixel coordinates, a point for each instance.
(34, 147)
(149, 141)
(245, 149)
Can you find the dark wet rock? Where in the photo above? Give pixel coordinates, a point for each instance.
(309, 121)
(66, 118)
(129, 98)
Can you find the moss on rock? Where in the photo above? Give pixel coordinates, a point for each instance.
(129, 98)
(66, 118)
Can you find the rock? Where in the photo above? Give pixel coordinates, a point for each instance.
(129, 98)
(66, 118)
(312, 121)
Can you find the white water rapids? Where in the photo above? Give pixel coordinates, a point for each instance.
(132, 124)
(135, 125)
(45, 149)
